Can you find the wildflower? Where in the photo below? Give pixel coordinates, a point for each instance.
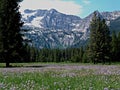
(90, 88)
(106, 89)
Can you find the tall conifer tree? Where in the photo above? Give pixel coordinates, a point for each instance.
(114, 45)
(10, 25)
(118, 47)
(99, 40)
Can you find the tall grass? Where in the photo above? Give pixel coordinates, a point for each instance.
(59, 80)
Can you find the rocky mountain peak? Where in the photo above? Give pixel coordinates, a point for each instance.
(53, 10)
(27, 11)
(52, 29)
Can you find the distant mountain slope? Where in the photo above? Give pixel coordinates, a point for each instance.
(52, 29)
(115, 25)
(110, 16)
(51, 19)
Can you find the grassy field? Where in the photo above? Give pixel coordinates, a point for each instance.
(53, 76)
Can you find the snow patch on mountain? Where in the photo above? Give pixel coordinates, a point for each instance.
(52, 29)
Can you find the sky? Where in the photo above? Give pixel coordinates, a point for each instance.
(81, 8)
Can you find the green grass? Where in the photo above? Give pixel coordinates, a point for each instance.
(59, 80)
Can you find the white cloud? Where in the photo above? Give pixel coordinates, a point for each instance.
(86, 1)
(67, 7)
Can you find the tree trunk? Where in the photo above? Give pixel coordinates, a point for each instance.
(7, 64)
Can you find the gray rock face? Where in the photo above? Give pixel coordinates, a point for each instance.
(52, 29)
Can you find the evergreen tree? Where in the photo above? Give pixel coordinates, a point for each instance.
(10, 25)
(86, 56)
(118, 46)
(114, 45)
(106, 42)
(81, 54)
(99, 40)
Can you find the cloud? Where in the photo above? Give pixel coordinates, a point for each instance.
(67, 7)
(86, 2)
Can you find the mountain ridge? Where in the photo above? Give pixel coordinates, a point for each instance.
(52, 29)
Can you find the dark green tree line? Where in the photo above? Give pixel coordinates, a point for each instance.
(55, 55)
(115, 47)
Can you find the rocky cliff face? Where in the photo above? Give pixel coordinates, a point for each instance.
(52, 29)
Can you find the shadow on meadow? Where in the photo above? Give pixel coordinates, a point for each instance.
(24, 66)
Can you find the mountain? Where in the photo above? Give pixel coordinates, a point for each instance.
(52, 29)
(110, 16)
(49, 19)
(115, 25)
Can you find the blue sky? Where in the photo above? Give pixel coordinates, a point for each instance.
(100, 5)
(80, 8)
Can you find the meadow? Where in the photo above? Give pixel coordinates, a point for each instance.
(55, 76)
